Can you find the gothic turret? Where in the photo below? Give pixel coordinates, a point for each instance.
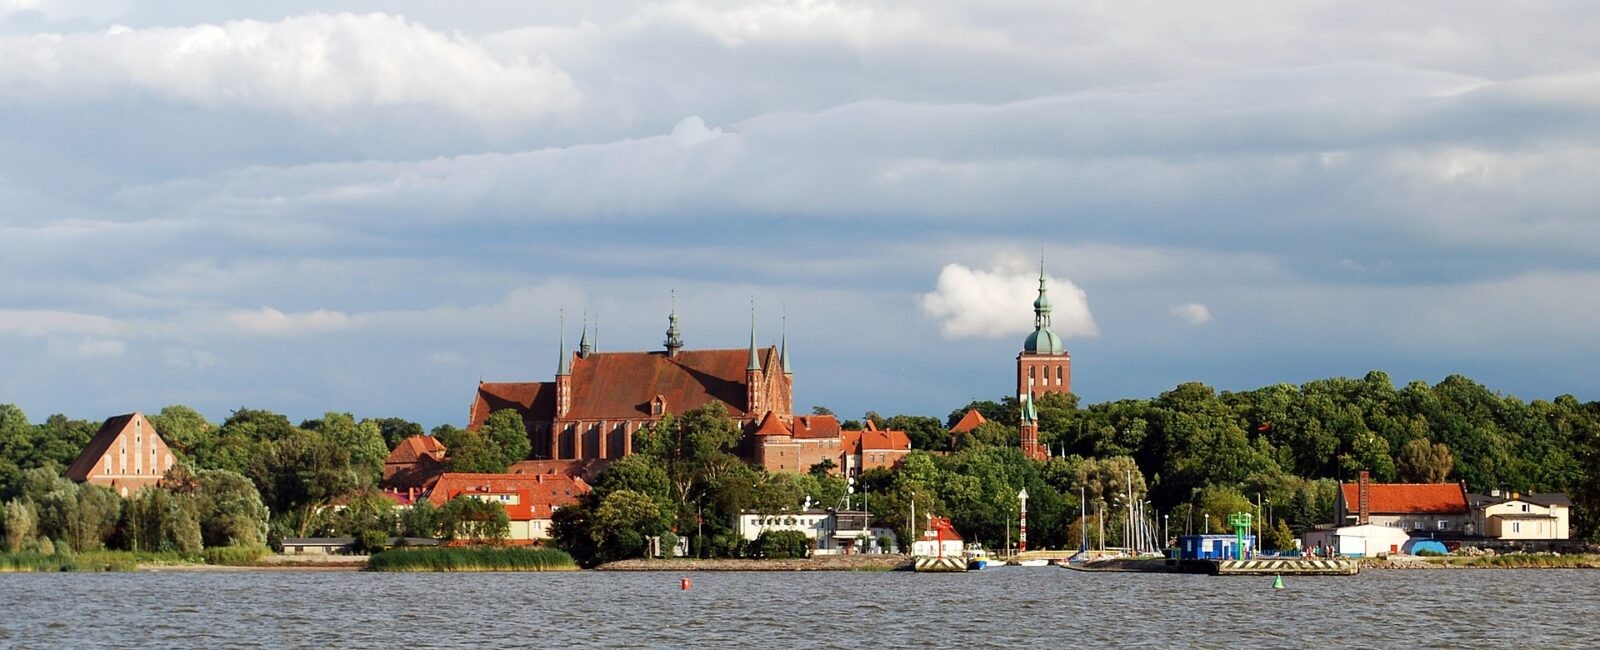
(674, 341)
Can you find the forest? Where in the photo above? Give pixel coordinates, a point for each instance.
(1189, 455)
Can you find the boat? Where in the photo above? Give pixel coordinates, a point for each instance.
(1034, 562)
(978, 559)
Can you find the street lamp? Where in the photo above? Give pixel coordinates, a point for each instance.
(1166, 531)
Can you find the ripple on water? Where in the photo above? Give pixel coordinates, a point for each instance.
(1034, 607)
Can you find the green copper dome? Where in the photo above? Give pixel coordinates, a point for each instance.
(1042, 340)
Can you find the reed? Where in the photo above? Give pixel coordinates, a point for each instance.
(1529, 561)
(40, 563)
(234, 555)
(471, 558)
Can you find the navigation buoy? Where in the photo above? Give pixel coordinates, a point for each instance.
(683, 583)
(1277, 582)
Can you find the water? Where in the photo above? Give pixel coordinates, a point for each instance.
(1010, 606)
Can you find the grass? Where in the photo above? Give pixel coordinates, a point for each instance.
(471, 558)
(28, 562)
(106, 560)
(1528, 561)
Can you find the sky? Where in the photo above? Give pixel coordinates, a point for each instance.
(369, 207)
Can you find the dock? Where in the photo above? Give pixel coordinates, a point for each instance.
(1272, 566)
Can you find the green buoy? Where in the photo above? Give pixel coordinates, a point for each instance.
(1277, 582)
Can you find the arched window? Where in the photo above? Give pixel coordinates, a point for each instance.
(1060, 372)
(1030, 372)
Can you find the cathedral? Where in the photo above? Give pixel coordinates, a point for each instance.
(1043, 367)
(599, 399)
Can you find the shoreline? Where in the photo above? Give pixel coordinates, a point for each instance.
(817, 563)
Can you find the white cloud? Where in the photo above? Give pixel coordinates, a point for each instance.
(93, 348)
(999, 302)
(271, 321)
(185, 358)
(38, 322)
(1192, 314)
(314, 66)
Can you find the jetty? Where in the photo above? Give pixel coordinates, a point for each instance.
(1272, 566)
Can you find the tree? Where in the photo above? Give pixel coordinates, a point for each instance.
(420, 520)
(464, 517)
(472, 451)
(363, 441)
(157, 520)
(622, 521)
(301, 472)
(21, 524)
(1421, 462)
(396, 429)
(508, 433)
(781, 545)
(229, 509)
(183, 428)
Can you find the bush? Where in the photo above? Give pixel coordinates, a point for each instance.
(780, 545)
(234, 555)
(371, 541)
(1427, 552)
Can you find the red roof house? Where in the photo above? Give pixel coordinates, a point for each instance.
(414, 463)
(530, 500)
(1412, 506)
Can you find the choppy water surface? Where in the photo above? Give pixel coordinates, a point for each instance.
(1010, 606)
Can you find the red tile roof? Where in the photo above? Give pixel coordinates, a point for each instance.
(534, 400)
(874, 440)
(772, 426)
(538, 494)
(586, 469)
(815, 426)
(971, 420)
(618, 385)
(416, 448)
(1407, 498)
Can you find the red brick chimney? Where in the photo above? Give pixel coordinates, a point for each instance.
(1363, 501)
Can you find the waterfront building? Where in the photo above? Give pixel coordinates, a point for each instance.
(599, 399)
(1512, 516)
(794, 446)
(1215, 547)
(1361, 540)
(530, 500)
(939, 539)
(1439, 508)
(1044, 366)
(415, 463)
(126, 454)
(832, 532)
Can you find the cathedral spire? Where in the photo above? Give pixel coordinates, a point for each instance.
(783, 356)
(674, 340)
(755, 361)
(1042, 340)
(583, 342)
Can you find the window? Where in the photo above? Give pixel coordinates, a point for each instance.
(1059, 374)
(1516, 526)
(1444, 525)
(1030, 373)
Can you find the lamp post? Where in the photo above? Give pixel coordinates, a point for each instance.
(1083, 520)
(1166, 531)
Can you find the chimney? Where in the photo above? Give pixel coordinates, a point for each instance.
(1363, 500)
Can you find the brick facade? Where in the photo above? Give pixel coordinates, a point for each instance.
(126, 454)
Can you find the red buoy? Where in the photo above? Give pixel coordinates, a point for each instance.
(683, 583)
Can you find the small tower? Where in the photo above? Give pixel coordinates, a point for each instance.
(753, 376)
(563, 375)
(1044, 366)
(674, 340)
(1030, 429)
(583, 342)
(787, 391)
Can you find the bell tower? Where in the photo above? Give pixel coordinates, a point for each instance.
(1043, 366)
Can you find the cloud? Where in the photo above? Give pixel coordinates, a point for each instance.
(1192, 314)
(271, 321)
(35, 322)
(184, 358)
(999, 302)
(93, 348)
(313, 66)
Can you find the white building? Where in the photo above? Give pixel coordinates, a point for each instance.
(1367, 540)
(1512, 516)
(831, 532)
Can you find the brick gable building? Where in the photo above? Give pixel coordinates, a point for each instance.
(126, 454)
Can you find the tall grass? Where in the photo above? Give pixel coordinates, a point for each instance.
(471, 558)
(234, 555)
(41, 563)
(1529, 561)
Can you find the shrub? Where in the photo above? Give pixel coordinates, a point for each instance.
(780, 544)
(234, 555)
(371, 541)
